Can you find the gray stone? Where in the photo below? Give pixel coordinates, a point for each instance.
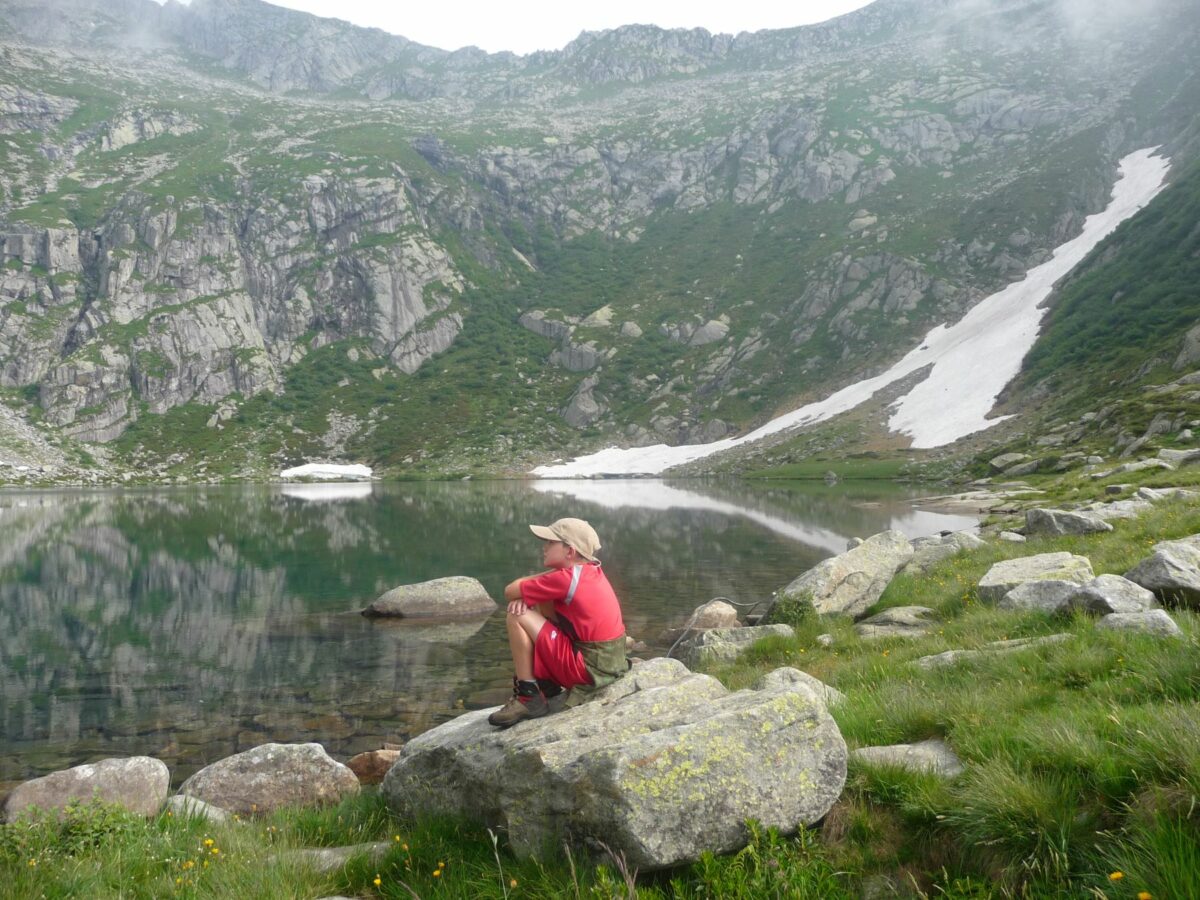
(715, 614)
(1117, 509)
(825, 640)
(933, 757)
(1157, 495)
(1172, 571)
(727, 644)
(1007, 574)
(1011, 537)
(930, 550)
(1189, 353)
(788, 675)
(330, 859)
(1153, 621)
(1025, 468)
(630, 330)
(138, 783)
(1050, 597)
(584, 407)
(851, 582)
(1005, 460)
(953, 657)
(272, 776)
(1061, 521)
(662, 766)
(182, 807)
(899, 621)
(455, 596)
(1113, 594)
(1095, 460)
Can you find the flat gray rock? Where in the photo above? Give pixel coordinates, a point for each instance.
(138, 783)
(1108, 594)
(850, 583)
(1007, 574)
(899, 621)
(1154, 621)
(330, 859)
(1012, 537)
(726, 644)
(662, 766)
(932, 756)
(1050, 597)
(1172, 571)
(1061, 521)
(953, 657)
(273, 776)
(456, 596)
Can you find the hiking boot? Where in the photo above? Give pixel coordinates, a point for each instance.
(518, 708)
(558, 702)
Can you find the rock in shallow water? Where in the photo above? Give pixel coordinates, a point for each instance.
(662, 766)
(455, 596)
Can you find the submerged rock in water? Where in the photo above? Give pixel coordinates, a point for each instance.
(662, 766)
(454, 596)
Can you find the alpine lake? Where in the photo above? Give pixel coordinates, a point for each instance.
(192, 623)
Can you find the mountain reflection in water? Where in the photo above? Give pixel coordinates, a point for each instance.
(192, 623)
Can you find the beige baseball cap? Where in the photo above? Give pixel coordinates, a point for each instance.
(576, 532)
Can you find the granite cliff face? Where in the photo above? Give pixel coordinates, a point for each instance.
(698, 227)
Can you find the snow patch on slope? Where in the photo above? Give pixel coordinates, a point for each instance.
(971, 360)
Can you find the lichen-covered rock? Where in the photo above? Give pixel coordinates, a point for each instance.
(1007, 574)
(953, 657)
(272, 776)
(851, 582)
(1061, 521)
(455, 596)
(138, 783)
(727, 644)
(662, 766)
(1172, 571)
(1152, 621)
(787, 675)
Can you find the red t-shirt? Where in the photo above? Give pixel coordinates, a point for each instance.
(582, 596)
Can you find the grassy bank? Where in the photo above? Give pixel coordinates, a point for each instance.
(1082, 779)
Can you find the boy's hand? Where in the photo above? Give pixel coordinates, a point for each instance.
(517, 608)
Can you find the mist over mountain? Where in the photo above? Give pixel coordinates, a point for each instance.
(240, 234)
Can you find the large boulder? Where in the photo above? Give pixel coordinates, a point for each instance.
(1050, 597)
(719, 645)
(1061, 521)
(928, 551)
(1007, 574)
(787, 675)
(272, 776)
(851, 582)
(661, 766)
(1006, 460)
(1172, 571)
(446, 597)
(138, 783)
(1108, 594)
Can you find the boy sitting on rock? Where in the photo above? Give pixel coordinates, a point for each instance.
(564, 626)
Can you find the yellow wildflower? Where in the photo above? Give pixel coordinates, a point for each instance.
(216, 850)
(513, 883)
(33, 862)
(378, 881)
(1145, 895)
(1116, 876)
(404, 846)
(208, 842)
(441, 865)
(397, 838)
(437, 873)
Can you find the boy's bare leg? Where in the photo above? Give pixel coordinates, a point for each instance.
(523, 630)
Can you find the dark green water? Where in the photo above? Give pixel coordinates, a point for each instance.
(192, 623)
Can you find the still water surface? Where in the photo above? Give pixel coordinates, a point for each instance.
(192, 623)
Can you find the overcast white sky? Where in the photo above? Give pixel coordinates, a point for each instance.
(529, 25)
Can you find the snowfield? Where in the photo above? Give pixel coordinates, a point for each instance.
(970, 361)
(328, 472)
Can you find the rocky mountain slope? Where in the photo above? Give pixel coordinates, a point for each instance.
(243, 235)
